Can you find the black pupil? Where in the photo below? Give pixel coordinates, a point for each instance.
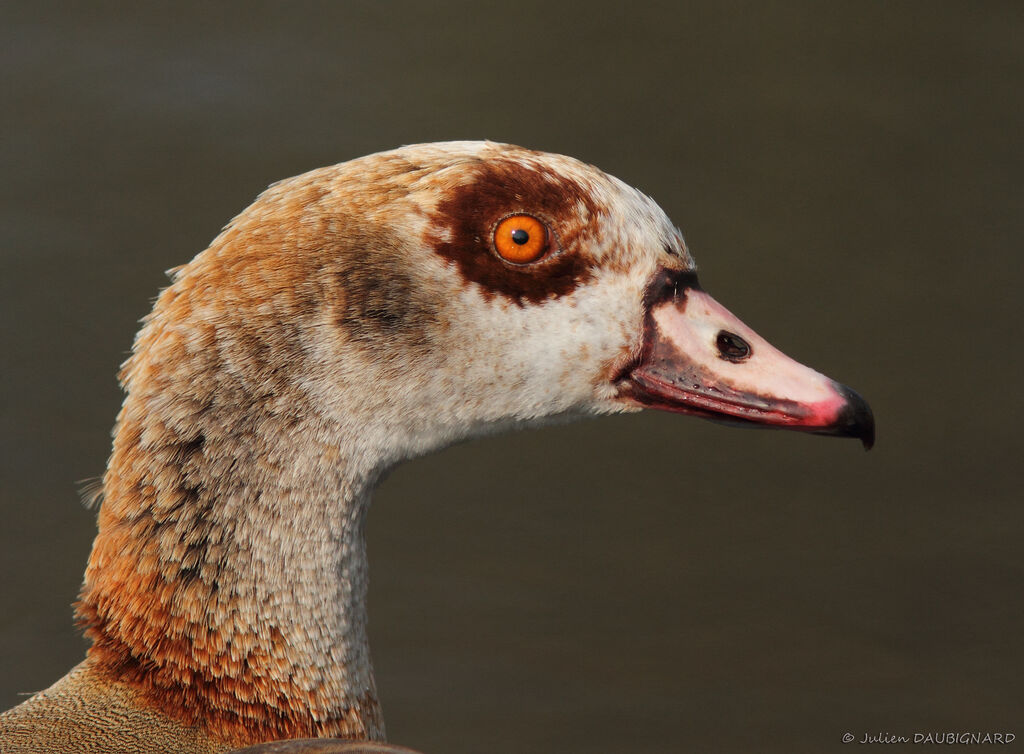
(520, 236)
(732, 346)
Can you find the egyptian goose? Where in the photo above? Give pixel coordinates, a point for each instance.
(350, 318)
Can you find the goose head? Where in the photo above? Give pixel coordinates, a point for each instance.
(466, 287)
(348, 319)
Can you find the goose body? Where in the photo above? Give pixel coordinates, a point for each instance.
(350, 318)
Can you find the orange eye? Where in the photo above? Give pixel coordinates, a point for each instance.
(521, 239)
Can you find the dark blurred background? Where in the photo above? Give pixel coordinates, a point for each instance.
(849, 176)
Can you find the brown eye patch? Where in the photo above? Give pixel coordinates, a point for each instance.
(464, 223)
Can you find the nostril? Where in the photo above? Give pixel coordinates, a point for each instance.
(731, 346)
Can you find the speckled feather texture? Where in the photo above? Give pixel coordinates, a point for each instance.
(350, 318)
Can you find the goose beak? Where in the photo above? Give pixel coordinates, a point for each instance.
(698, 358)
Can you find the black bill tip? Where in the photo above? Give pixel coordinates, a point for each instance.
(856, 419)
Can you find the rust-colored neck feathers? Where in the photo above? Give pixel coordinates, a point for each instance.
(228, 579)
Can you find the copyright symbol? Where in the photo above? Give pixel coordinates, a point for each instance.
(847, 738)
